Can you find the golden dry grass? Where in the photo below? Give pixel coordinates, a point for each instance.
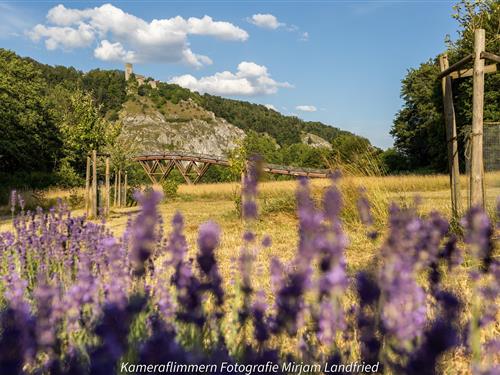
(216, 202)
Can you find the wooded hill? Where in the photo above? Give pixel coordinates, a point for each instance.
(51, 116)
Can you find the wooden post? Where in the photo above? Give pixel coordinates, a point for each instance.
(119, 188)
(476, 173)
(87, 187)
(116, 185)
(125, 190)
(107, 189)
(94, 184)
(451, 138)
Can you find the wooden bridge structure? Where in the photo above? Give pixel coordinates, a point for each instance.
(193, 166)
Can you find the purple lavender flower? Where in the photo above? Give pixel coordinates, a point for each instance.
(261, 328)
(144, 231)
(249, 188)
(208, 240)
(404, 311)
(478, 235)
(330, 321)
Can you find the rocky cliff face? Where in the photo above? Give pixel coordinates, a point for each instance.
(182, 127)
(314, 140)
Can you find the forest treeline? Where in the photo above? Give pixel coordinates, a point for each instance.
(52, 116)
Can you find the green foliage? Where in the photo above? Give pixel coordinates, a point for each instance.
(67, 176)
(418, 128)
(394, 161)
(170, 187)
(30, 139)
(82, 129)
(347, 146)
(263, 145)
(302, 155)
(107, 87)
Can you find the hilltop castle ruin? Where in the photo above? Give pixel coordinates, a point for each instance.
(141, 80)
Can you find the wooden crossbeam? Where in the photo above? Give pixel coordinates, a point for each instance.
(201, 172)
(190, 165)
(182, 170)
(492, 68)
(169, 166)
(456, 66)
(145, 166)
(490, 56)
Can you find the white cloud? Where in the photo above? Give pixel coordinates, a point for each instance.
(306, 108)
(304, 37)
(63, 37)
(123, 36)
(270, 106)
(266, 21)
(113, 52)
(250, 79)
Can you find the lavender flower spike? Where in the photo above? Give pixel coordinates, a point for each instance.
(144, 231)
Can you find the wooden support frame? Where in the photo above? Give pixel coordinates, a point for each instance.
(456, 66)
(93, 209)
(476, 171)
(451, 138)
(87, 187)
(92, 188)
(476, 178)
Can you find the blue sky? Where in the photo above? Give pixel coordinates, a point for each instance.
(339, 62)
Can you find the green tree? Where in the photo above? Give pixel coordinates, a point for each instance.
(82, 129)
(30, 139)
(347, 147)
(418, 128)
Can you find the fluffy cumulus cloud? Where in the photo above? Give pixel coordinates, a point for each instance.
(250, 79)
(270, 106)
(306, 108)
(121, 36)
(266, 21)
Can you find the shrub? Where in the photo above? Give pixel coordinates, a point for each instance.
(170, 188)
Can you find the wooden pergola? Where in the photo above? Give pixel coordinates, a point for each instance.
(193, 166)
(477, 72)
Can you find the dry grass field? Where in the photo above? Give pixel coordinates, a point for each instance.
(217, 202)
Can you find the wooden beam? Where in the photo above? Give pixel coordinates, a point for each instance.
(167, 170)
(125, 188)
(145, 166)
(107, 199)
(119, 188)
(190, 165)
(179, 166)
(201, 172)
(116, 187)
(456, 66)
(451, 138)
(94, 184)
(492, 68)
(490, 56)
(476, 173)
(87, 187)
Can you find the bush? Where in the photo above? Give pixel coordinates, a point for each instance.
(170, 188)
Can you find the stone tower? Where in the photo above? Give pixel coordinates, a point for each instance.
(128, 71)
